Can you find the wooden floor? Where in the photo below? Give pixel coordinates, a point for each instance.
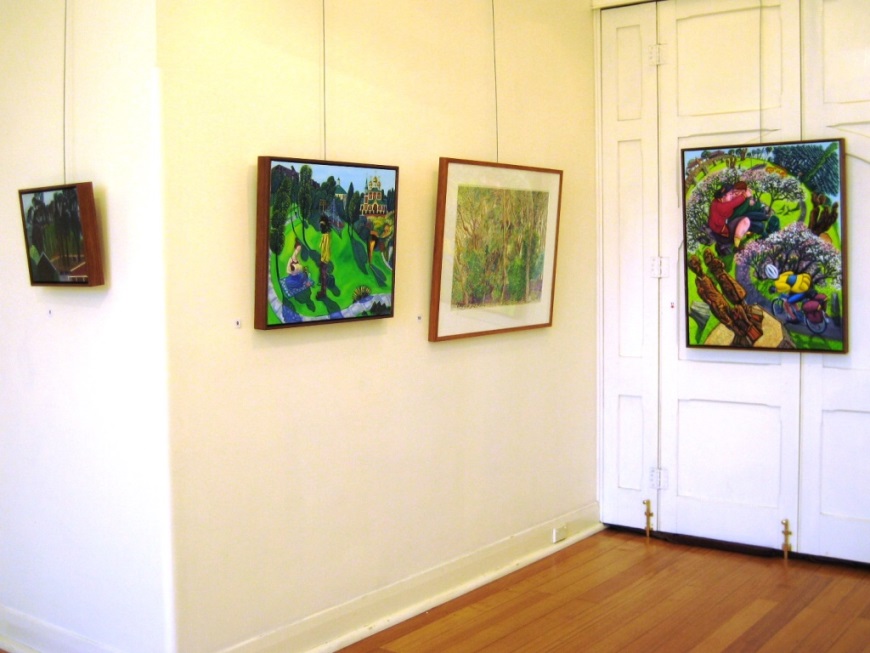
(618, 591)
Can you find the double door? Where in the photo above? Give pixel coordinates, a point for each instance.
(727, 444)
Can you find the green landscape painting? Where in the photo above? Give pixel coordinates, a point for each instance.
(499, 246)
(60, 234)
(326, 246)
(765, 236)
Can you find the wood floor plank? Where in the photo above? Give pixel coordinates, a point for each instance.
(791, 595)
(855, 638)
(610, 614)
(496, 629)
(636, 584)
(795, 633)
(541, 633)
(819, 638)
(722, 598)
(451, 634)
(617, 591)
(625, 635)
(725, 635)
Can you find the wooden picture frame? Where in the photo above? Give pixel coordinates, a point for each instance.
(326, 242)
(496, 238)
(765, 236)
(61, 237)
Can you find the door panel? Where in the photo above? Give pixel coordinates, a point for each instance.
(701, 476)
(835, 468)
(730, 420)
(726, 501)
(629, 238)
(835, 439)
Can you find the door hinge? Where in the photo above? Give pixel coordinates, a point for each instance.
(659, 267)
(654, 54)
(658, 478)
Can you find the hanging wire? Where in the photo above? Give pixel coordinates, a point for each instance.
(800, 85)
(760, 71)
(495, 80)
(323, 14)
(63, 111)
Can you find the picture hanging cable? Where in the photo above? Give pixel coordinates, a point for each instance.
(760, 71)
(495, 80)
(63, 102)
(323, 14)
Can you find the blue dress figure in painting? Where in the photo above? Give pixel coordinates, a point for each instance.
(296, 281)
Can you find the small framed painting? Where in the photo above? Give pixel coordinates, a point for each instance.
(765, 237)
(61, 236)
(326, 242)
(496, 235)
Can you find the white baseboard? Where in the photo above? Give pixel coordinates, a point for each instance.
(22, 633)
(345, 624)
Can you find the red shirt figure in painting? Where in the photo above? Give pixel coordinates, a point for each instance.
(728, 211)
(735, 211)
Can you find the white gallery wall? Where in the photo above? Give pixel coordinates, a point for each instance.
(84, 492)
(315, 466)
(172, 482)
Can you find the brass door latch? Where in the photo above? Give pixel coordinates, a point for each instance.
(649, 515)
(786, 534)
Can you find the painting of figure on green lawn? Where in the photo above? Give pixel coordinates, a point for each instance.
(499, 248)
(764, 229)
(326, 241)
(61, 235)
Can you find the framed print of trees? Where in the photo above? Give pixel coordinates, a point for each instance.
(494, 263)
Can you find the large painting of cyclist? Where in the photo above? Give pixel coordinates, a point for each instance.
(765, 242)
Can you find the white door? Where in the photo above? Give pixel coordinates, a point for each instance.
(726, 424)
(730, 421)
(745, 440)
(835, 390)
(629, 239)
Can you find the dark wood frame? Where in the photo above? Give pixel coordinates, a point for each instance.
(772, 247)
(87, 217)
(447, 322)
(264, 283)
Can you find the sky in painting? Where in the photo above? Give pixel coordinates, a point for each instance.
(347, 174)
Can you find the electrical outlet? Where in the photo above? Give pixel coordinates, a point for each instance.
(560, 533)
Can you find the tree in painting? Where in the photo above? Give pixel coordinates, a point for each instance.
(499, 246)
